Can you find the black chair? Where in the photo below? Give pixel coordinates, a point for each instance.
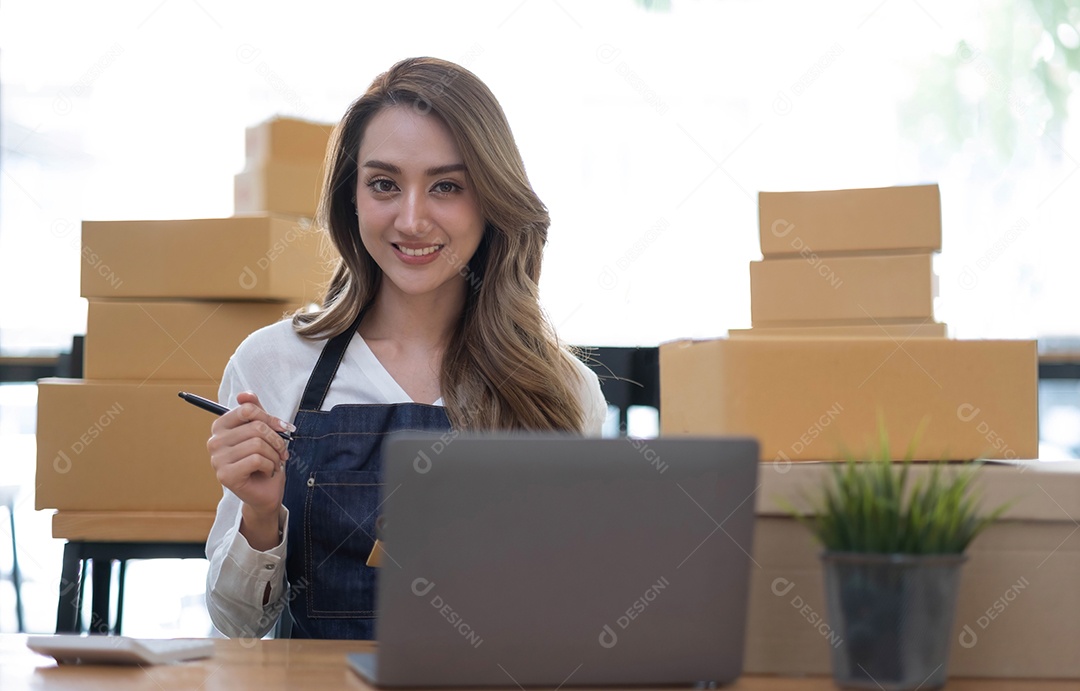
(628, 376)
(93, 560)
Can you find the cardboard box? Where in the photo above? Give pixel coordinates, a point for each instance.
(241, 258)
(127, 339)
(862, 220)
(133, 526)
(806, 399)
(1017, 610)
(123, 446)
(899, 331)
(288, 140)
(815, 289)
(278, 188)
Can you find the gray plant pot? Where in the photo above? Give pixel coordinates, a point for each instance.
(895, 614)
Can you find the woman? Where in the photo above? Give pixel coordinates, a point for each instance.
(431, 321)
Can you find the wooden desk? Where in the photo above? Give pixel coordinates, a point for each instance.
(296, 664)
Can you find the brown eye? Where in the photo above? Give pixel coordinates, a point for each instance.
(381, 185)
(446, 187)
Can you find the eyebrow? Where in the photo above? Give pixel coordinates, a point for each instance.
(437, 170)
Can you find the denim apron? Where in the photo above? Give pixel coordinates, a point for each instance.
(332, 483)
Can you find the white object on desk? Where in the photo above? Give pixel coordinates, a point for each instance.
(119, 650)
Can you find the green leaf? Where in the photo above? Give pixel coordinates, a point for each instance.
(870, 506)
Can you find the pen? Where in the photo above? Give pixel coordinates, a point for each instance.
(216, 408)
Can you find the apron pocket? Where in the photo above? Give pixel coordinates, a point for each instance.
(339, 533)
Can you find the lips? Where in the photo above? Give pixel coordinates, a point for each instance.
(415, 253)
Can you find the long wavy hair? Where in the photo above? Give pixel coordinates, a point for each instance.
(504, 367)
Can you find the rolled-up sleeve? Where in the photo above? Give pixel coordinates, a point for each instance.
(238, 576)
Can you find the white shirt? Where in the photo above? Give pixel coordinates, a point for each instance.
(275, 363)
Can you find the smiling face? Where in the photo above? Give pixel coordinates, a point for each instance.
(419, 218)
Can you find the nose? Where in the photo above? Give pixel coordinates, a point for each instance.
(412, 216)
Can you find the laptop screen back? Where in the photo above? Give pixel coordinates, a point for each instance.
(554, 560)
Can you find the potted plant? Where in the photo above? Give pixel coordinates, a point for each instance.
(892, 559)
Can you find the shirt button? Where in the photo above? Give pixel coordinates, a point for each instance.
(269, 567)
(311, 482)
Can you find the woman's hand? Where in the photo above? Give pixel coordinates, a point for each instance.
(249, 458)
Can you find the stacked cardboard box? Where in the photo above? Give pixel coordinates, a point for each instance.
(843, 334)
(169, 302)
(283, 169)
(846, 263)
(812, 378)
(809, 399)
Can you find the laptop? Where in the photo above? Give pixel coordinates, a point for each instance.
(520, 561)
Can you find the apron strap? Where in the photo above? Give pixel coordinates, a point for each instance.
(318, 384)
